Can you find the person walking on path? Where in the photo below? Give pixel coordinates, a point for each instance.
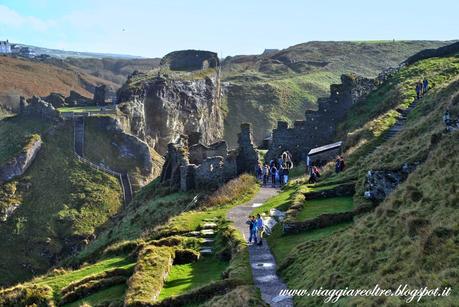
(338, 164)
(252, 229)
(265, 174)
(425, 86)
(273, 175)
(259, 171)
(259, 225)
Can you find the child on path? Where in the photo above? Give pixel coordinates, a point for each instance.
(259, 230)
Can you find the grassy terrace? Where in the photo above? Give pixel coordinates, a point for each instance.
(80, 109)
(316, 207)
(185, 277)
(115, 293)
(59, 281)
(282, 245)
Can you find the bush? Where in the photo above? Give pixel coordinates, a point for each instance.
(33, 295)
(233, 190)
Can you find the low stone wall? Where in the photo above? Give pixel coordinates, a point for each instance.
(341, 190)
(321, 221)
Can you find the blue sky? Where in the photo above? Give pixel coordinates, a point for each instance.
(154, 28)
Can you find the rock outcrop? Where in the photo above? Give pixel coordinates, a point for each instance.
(380, 183)
(20, 163)
(159, 109)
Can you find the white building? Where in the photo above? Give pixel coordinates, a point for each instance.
(5, 47)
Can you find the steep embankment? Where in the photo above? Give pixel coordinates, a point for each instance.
(280, 85)
(59, 202)
(411, 238)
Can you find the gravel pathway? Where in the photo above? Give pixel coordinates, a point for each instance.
(261, 260)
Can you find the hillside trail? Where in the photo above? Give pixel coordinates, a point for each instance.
(262, 261)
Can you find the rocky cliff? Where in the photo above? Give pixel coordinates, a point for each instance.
(174, 100)
(19, 164)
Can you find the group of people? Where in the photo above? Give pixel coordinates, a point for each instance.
(421, 88)
(277, 170)
(255, 229)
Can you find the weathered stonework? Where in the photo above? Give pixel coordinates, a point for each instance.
(39, 108)
(247, 156)
(207, 167)
(319, 126)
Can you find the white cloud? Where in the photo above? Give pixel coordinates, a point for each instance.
(11, 18)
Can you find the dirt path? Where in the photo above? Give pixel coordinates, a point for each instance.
(261, 260)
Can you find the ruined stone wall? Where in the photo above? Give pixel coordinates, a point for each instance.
(199, 152)
(247, 156)
(319, 126)
(207, 167)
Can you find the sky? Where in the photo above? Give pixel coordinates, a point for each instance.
(152, 28)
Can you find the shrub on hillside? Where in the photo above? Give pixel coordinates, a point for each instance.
(31, 295)
(233, 190)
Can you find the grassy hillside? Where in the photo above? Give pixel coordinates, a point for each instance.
(21, 77)
(127, 261)
(282, 85)
(61, 202)
(411, 238)
(111, 69)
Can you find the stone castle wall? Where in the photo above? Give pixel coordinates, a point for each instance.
(319, 126)
(193, 165)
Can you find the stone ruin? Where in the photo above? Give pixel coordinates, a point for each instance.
(319, 126)
(38, 107)
(189, 164)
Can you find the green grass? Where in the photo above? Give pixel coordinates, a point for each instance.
(314, 208)
(185, 277)
(235, 192)
(105, 295)
(60, 281)
(81, 109)
(281, 245)
(60, 198)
